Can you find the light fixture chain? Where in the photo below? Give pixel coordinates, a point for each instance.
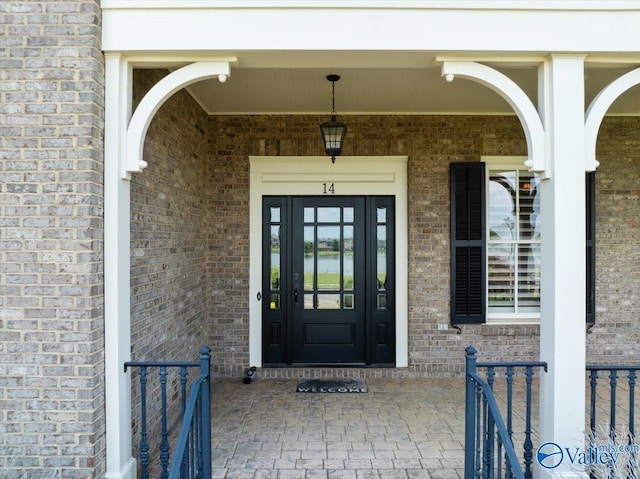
(333, 98)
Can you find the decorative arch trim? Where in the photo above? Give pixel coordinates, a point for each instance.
(598, 108)
(517, 99)
(155, 98)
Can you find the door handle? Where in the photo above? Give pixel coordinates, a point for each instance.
(295, 296)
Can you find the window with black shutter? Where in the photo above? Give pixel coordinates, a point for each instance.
(512, 288)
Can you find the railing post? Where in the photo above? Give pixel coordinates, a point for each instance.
(205, 404)
(594, 398)
(144, 442)
(164, 434)
(509, 379)
(469, 417)
(632, 402)
(183, 405)
(528, 444)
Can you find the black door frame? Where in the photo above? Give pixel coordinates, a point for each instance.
(277, 322)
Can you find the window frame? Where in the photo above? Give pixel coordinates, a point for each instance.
(516, 164)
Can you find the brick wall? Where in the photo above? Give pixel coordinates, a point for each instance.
(51, 304)
(431, 143)
(615, 337)
(170, 223)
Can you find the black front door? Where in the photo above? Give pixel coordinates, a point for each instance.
(329, 294)
(328, 280)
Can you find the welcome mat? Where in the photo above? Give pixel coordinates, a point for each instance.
(331, 386)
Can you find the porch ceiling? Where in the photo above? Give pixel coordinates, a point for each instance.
(376, 83)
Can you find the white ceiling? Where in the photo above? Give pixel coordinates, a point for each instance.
(376, 84)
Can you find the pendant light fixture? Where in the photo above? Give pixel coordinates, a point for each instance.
(333, 131)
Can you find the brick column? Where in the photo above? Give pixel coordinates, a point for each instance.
(51, 317)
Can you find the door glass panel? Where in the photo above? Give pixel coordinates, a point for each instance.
(275, 214)
(329, 263)
(274, 302)
(328, 301)
(347, 258)
(309, 257)
(309, 215)
(328, 258)
(275, 257)
(347, 301)
(381, 258)
(308, 301)
(347, 214)
(328, 214)
(381, 302)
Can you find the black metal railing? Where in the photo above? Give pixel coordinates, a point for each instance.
(612, 419)
(192, 452)
(490, 452)
(615, 378)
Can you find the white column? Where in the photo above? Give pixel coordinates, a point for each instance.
(562, 323)
(120, 464)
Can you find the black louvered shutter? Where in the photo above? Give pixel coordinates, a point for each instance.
(591, 246)
(468, 243)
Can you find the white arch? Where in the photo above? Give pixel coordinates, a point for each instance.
(153, 100)
(513, 94)
(599, 107)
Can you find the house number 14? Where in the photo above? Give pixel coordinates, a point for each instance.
(328, 189)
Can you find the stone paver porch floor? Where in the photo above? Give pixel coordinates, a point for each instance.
(402, 428)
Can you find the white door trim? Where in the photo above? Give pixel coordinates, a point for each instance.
(294, 175)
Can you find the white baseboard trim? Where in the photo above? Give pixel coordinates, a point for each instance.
(127, 472)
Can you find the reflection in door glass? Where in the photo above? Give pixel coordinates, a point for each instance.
(309, 215)
(347, 301)
(328, 301)
(275, 270)
(328, 215)
(308, 301)
(275, 257)
(274, 302)
(382, 301)
(347, 214)
(347, 258)
(275, 214)
(309, 258)
(328, 258)
(381, 258)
